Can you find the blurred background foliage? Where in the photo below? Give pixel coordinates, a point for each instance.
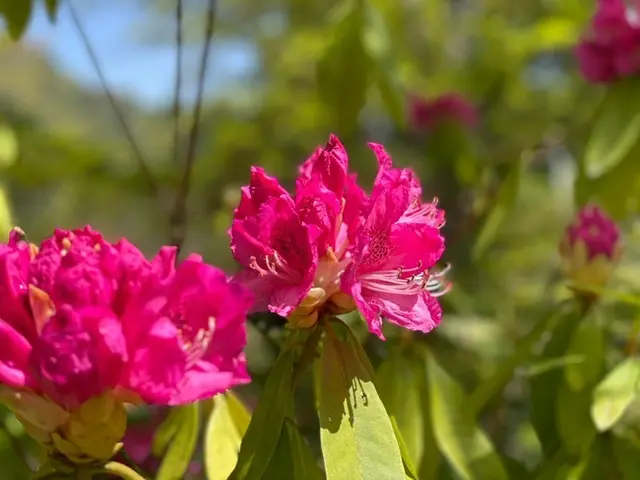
(509, 185)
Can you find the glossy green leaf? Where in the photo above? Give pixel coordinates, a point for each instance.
(226, 427)
(574, 422)
(292, 457)
(462, 442)
(544, 387)
(357, 437)
(617, 128)
(177, 458)
(398, 380)
(587, 342)
(17, 14)
(615, 393)
(506, 198)
(262, 435)
(8, 146)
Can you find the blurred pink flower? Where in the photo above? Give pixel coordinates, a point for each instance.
(336, 248)
(591, 247)
(610, 49)
(448, 108)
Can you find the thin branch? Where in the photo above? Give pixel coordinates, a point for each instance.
(179, 215)
(178, 84)
(142, 164)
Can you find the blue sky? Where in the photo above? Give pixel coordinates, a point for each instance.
(145, 73)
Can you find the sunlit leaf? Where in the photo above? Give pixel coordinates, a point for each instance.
(178, 455)
(357, 437)
(615, 393)
(227, 425)
(262, 435)
(462, 442)
(617, 128)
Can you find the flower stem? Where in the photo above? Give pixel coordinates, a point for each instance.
(307, 356)
(122, 471)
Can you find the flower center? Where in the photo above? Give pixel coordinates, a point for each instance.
(195, 343)
(412, 281)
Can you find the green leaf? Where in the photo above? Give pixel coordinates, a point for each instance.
(261, 438)
(166, 432)
(544, 387)
(615, 393)
(180, 450)
(506, 198)
(407, 463)
(17, 14)
(6, 222)
(461, 441)
(8, 146)
(344, 71)
(587, 341)
(357, 437)
(545, 366)
(574, 423)
(227, 425)
(616, 130)
(399, 380)
(292, 457)
(52, 9)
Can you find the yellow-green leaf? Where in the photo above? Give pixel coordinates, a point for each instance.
(227, 425)
(8, 146)
(575, 427)
(615, 393)
(586, 342)
(358, 442)
(180, 450)
(17, 14)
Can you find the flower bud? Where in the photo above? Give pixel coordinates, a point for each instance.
(590, 248)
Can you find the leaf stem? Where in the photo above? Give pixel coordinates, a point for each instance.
(122, 471)
(178, 84)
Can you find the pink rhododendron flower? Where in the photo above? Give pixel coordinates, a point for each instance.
(591, 247)
(82, 321)
(337, 247)
(448, 108)
(611, 47)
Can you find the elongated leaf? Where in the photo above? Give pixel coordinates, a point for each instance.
(409, 468)
(357, 437)
(505, 200)
(627, 455)
(180, 450)
(166, 432)
(292, 457)
(615, 393)
(8, 146)
(617, 128)
(544, 387)
(587, 342)
(461, 441)
(574, 423)
(545, 366)
(227, 425)
(17, 14)
(262, 435)
(399, 380)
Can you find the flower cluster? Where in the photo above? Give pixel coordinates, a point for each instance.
(331, 247)
(591, 248)
(87, 325)
(610, 50)
(448, 108)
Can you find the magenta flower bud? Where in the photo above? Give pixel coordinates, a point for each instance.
(591, 248)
